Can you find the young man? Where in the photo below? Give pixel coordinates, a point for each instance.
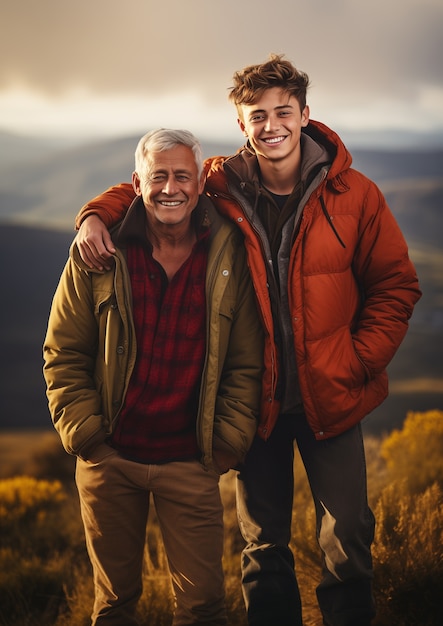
(336, 289)
(153, 372)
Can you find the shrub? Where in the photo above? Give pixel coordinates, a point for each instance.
(408, 556)
(415, 452)
(31, 588)
(35, 550)
(78, 594)
(27, 507)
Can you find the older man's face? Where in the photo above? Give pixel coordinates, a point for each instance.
(171, 187)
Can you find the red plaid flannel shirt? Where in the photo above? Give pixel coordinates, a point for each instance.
(158, 420)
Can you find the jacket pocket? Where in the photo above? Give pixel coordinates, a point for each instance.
(227, 308)
(334, 363)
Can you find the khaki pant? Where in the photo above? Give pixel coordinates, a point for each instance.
(114, 498)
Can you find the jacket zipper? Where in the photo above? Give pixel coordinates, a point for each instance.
(257, 232)
(211, 282)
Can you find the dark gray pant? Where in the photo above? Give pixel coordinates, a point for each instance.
(336, 470)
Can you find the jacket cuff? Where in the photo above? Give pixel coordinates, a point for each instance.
(92, 443)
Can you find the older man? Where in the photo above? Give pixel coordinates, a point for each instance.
(153, 372)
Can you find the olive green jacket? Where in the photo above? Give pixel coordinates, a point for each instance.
(90, 349)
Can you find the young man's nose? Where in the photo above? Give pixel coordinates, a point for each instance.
(272, 123)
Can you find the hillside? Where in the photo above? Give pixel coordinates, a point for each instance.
(47, 184)
(48, 190)
(31, 262)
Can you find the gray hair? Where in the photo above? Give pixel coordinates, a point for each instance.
(166, 139)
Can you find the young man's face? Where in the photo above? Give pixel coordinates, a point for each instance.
(273, 124)
(171, 188)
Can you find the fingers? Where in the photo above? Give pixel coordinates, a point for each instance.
(95, 257)
(95, 244)
(107, 242)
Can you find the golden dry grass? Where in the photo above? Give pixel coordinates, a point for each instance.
(45, 575)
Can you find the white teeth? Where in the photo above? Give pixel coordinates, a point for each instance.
(274, 140)
(164, 203)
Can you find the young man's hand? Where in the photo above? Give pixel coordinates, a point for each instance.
(94, 243)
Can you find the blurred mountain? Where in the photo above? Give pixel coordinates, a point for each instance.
(43, 185)
(48, 184)
(14, 149)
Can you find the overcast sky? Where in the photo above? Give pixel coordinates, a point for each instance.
(118, 66)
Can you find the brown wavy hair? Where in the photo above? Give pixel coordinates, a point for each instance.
(252, 81)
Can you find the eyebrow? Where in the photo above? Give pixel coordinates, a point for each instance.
(277, 108)
(175, 172)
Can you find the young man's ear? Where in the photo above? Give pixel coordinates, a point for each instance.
(305, 116)
(242, 126)
(136, 183)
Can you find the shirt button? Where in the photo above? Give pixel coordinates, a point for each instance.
(120, 349)
(225, 272)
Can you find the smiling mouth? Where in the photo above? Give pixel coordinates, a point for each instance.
(170, 203)
(274, 140)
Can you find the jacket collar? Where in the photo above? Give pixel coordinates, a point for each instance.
(133, 225)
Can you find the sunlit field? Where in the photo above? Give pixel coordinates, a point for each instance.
(45, 576)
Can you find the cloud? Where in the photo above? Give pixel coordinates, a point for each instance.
(370, 64)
